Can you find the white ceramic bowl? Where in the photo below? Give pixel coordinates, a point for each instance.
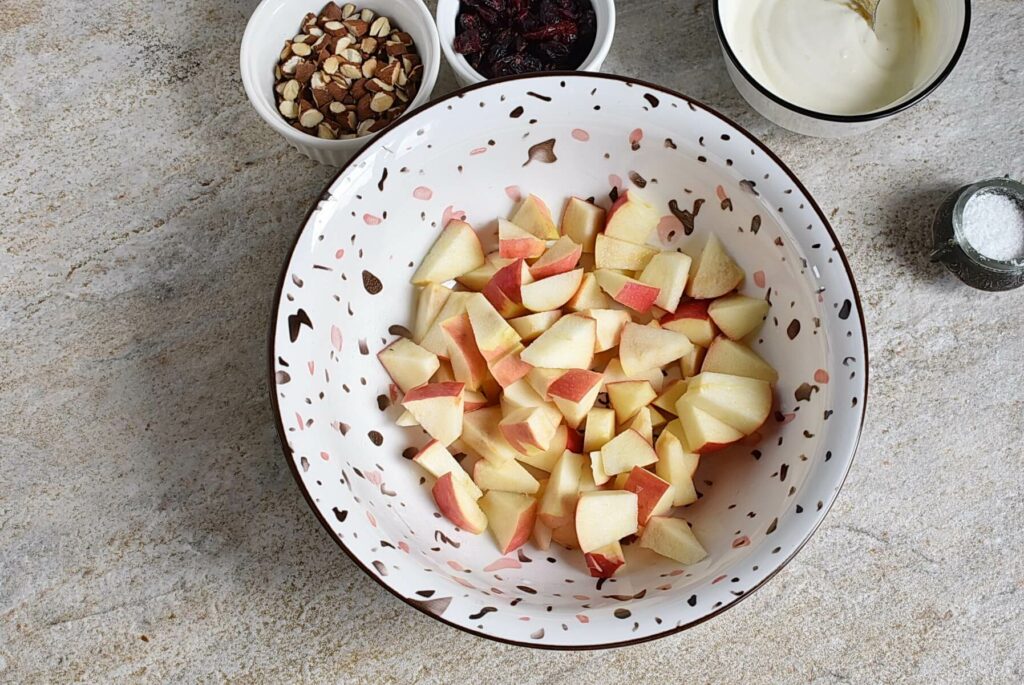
(275, 21)
(448, 11)
(953, 25)
(344, 294)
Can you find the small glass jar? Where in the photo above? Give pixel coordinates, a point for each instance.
(952, 248)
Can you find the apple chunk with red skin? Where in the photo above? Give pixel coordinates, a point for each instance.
(468, 365)
(702, 432)
(731, 357)
(629, 397)
(458, 505)
(603, 562)
(508, 477)
(645, 347)
(714, 272)
(691, 318)
(743, 403)
(609, 326)
(612, 253)
(437, 407)
(408, 364)
(528, 427)
(667, 271)
(510, 516)
(676, 466)
(626, 450)
(582, 221)
(510, 368)
(455, 252)
(559, 499)
(481, 433)
(437, 461)
(672, 538)
(515, 242)
(588, 296)
(429, 302)
(557, 259)
(530, 327)
(505, 289)
(534, 216)
(494, 337)
(568, 344)
(631, 218)
(654, 496)
(604, 517)
(551, 292)
(627, 291)
(738, 315)
(574, 393)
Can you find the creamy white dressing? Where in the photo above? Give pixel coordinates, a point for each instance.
(822, 55)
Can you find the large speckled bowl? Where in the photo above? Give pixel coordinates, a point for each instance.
(345, 292)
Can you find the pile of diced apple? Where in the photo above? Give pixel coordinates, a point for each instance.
(508, 366)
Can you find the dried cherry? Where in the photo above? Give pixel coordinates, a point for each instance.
(502, 37)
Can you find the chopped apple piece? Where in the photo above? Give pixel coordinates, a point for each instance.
(515, 242)
(568, 344)
(728, 356)
(545, 460)
(604, 517)
(406, 420)
(714, 272)
(676, 466)
(528, 427)
(653, 495)
(643, 425)
(429, 304)
(629, 397)
(510, 516)
(626, 450)
(588, 296)
(668, 272)
(587, 482)
(444, 372)
(510, 368)
(574, 393)
(437, 407)
(534, 216)
(613, 373)
(434, 339)
(620, 481)
(551, 292)
(672, 538)
(702, 432)
(481, 433)
(631, 219)
(541, 379)
(437, 461)
(505, 289)
(455, 252)
(609, 326)
(560, 494)
(692, 320)
(574, 441)
(408, 364)
(458, 505)
(657, 418)
(530, 327)
(582, 221)
(509, 477)
(670, 395)
(557, 259)
(473, 400)
(605, 561)
(468, 364)
(627, 291)
(600, 429)
(479, 277)
(738, 315)
(597, 469)
(494, 337)
(612, 253)
(645, 347)
(690, 363)
(521, 394)
(541, 535)
(743, 403)
(565, 535)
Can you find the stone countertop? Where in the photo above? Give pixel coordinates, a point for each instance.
(150, 529)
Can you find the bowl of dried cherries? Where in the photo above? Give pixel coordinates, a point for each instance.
(484, 39)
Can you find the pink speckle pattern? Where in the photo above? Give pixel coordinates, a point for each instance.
(821, 376)
(451, 213)
(668, 224)
(759, 279)
(311, 365)
(719, 579)
(580, 135)
(455, 566)
(722, 195)
(422, 193)
(298, 420)
(635, 136)
(464, 583)
(404, 546)
(374, 477)
(336, 339)
(503, 562)
(339, 253)
(513, 193)
(371, 220)
(582, 618)
(741, 541)
(371, 519)
(325, 456)
(477, 151)
(786, 418)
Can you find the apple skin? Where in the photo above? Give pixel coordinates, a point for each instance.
(504, 290)
(573, 441)
(429, 391)
(511, 517)
(630, 218)
(559, 258)
(691, 318)
(574, 384)
(457, 505)
(653, 495)
(605, 561)
(509, 368)
(465, 357)
(627, 291)
(533, 216)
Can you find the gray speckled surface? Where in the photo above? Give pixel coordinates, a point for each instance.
(150, 528)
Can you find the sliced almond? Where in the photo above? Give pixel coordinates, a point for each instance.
(366, 15)
(291, 89)
(291, 64)
(305, 71)
(381, 102)
(335, 28)
(325, 131)
(368, 46)
(331, 11)
(301, 49)
(364, 127)
(380, 27)
(321, 97)
(352, 56)
(348, 10)
(289, 109)
(395, 48)
(316, 31)
(310, 118)
(336, 107)
(357, 27)
(350, 71)
(388, 73)
(343, 43)
(331, 64)
(369, 67)
(286, 52)
(402, 37)
(317, 80)
(383, 85)
(336, 90)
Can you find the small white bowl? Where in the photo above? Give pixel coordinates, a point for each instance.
(954, 24)
(448, 12)
(275, 21)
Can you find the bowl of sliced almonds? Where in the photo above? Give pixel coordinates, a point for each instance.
(329, 77)
(568, 360)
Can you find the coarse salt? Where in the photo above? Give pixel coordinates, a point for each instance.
(993, 224)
